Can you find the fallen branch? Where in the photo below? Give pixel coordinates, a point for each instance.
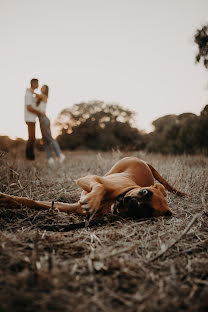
(99, 221)
(73, 226)
(203, 282)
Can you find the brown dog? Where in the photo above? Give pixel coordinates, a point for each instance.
(127, 188)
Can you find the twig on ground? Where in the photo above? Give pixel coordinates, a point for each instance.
(199, 281)
(204, 204)
(92, 216)
(4, 177)
(120, 251)
(196, 246)
(20, 190)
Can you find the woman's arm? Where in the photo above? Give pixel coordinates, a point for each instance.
(39, 98)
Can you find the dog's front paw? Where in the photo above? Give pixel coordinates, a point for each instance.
(90, 204)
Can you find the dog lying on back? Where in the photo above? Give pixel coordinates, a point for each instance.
(128, 188)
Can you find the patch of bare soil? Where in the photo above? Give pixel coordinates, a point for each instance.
(159, 264)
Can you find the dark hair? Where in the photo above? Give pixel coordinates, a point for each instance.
(32, 81)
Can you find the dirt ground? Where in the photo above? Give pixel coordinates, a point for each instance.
(158, 264)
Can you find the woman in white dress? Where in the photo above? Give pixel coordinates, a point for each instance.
(48, 141)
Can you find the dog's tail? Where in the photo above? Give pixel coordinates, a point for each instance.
(170, 188)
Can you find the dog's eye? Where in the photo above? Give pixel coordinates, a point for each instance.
(145, 193)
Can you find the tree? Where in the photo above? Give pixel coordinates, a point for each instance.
(202, 131)
(6, 143)
(175, 134)
(93, 110)
(98, 125)
(163, 122)
(201, 39)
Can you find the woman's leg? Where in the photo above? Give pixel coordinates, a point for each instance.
(47, 145)
(47, 134)
(46, 142)
(56, 147)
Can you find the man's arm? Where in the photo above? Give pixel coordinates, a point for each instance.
(29, 106)
(35, 111)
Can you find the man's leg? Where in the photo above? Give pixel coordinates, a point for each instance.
(31, 140)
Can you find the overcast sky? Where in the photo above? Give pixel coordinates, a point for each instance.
(138, 53)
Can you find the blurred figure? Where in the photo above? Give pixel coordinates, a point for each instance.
(30, 113)
(49, 143)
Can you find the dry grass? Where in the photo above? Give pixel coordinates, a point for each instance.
(107, 267)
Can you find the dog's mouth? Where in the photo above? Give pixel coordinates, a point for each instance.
(138, 209)
(135, 205)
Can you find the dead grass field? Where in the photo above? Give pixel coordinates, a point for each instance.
(123, 265)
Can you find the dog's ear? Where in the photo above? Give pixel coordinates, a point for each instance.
(161, 188)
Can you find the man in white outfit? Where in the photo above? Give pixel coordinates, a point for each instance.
(30, 118)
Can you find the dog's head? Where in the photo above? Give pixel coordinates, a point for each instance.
(144, 202)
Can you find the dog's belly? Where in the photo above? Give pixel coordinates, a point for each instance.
(117, 180)
(134, 169)
(118, 183)
(143, 177)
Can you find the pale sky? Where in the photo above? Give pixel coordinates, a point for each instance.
(137, 53)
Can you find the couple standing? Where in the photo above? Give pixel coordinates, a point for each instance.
(35, 106)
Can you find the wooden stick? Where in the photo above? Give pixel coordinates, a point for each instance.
(73, 226)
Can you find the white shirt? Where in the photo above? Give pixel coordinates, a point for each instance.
(42, 107)
(29, 100)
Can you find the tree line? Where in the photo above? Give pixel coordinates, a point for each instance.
(101, 126)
